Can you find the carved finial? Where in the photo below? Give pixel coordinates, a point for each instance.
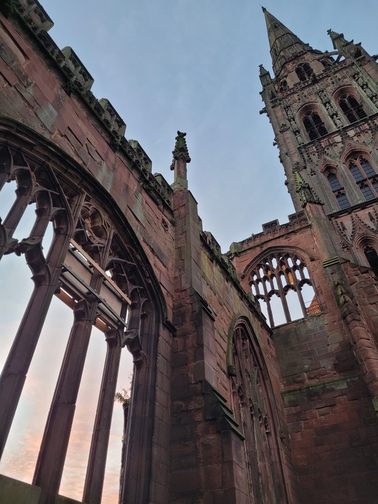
(305, 191)
(181, 150)
(262, 70)
(263, 9)
(180, 159)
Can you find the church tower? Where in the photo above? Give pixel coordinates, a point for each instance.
(315, 277)
(323, 107)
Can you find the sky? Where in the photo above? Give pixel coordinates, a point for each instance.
(168, 65)
(193, 66)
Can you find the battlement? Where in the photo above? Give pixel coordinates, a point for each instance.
(271, 229)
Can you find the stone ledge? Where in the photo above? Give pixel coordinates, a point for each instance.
(13, 491)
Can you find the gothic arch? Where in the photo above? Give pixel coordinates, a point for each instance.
(362, 172)
(277, 277)
(351, 99)
(255, 410)
(366, 247)
(352, 149)
(97, 266)
(335, 182)
(314, 121)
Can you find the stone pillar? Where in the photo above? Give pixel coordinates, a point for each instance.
(100, 439)
(362, 340)
(50, 463)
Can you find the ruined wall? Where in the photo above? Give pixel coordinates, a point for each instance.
(54, 100)
(184, 441)
(328, 392)
(207, 444)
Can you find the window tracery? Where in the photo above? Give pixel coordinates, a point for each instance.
(304, 72)
(314, 125)
(91, 266)
(365, 177)
(338, 191)
(280, 280)
(256, 417)
(351, 108)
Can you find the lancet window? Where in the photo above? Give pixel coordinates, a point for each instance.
(283, 85)
(338, 191)
(282, 285)
(351, 108)
(365, 177)
(314, 125)
(304, 72)
(372, 258)
(256, 417)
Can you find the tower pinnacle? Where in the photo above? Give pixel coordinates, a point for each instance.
(180, 159)
(284, 45)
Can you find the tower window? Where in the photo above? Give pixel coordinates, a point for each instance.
(314, 125)
(304, 72)
(366, 191)
(282, 283)
(326, 63)
(356, 173)
(338, 191)
(365, 176)
(351, 108)
(342, 201)
(283, 85)
(334, 182)
(372, 257)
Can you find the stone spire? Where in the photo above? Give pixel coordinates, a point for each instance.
(305, 191)
(264, 76)
(180, 159)
(284, 45)
(338, 40)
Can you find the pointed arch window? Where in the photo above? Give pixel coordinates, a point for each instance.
(372, 258)
(351, 108)
(334, 182)
(283, 85)
(338, 191)
(92, 265)
(281, 281)
(252, 401)
(304, 72)
(314, 125)
(365, 177)
(327, 63)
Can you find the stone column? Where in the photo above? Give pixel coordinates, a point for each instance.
(50, 463)
(100, 439)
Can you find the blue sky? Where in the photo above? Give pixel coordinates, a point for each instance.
(186, 65)
(192, 65)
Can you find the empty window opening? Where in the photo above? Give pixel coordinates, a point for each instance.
(351, 108)
(327, 63)
(372, 257)
(27, 429)
(280, 288)
(283, 85)
(304, 72)
(314, 125)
